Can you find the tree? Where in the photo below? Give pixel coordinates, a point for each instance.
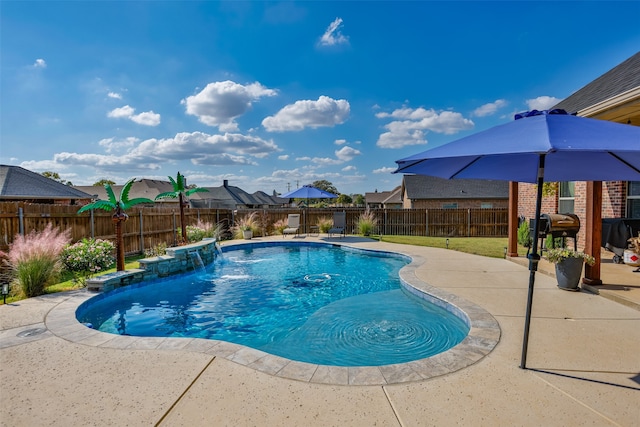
(103, 182)
(325, 185)
(119, 216)
(181, 191)
(344, 199)
(359, 200)
(56, 177)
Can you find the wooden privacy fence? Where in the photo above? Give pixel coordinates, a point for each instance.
(150, 226)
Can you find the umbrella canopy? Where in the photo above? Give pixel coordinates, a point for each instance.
(575, 149)
(308, 192)
(537, 146)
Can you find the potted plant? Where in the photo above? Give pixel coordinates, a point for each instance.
(568, 266)
(245, 225)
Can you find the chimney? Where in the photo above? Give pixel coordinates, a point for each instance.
(225, 183)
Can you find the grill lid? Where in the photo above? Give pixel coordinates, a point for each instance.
(561, 222)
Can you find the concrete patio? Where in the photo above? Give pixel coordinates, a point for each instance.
(583, 364)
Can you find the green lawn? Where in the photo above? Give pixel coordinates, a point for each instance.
(487, 246)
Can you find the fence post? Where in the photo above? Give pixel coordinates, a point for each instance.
(21, 221)
(175, 236)
(426, 230)
(141, 233)
(469, 222)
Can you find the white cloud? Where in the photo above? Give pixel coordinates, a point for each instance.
(347, 153)
(349, 168)
(410, 126)
(325, 112)
(197, 147)
(111, 144)
(114, 95)
(220, 103)
(333, 36)
(40, 63)
(40, 165)
(490, 108)
(384, 170)
(148, 118)
(340, 141)
(542, 102)
(283, 157)
(122, 112)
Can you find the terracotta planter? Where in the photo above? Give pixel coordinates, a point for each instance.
(568, 273)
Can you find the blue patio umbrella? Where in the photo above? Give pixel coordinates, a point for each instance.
(537, 146)
(308, 192)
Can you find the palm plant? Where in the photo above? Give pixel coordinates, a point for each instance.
(119, 216)
(180, 192)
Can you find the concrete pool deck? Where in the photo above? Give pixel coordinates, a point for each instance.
(583, 366)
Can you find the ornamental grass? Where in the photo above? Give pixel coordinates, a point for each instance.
(34, 262)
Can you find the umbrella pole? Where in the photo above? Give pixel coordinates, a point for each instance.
(534, 258)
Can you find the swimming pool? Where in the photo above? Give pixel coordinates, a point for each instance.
(311, 302)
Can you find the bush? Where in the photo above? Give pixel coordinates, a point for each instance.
(88, 257)
(366, 223)
(279, 226)
(196, 233)
(157, 250)
(324, 224)
(524, 234)
(34, 259)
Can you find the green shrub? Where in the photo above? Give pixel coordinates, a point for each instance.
(88, 257)
(157, 250)
(524, 234)
(34, 260)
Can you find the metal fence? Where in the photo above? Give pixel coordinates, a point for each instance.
(150, 226)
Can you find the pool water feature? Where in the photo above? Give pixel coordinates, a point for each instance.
(315, 303)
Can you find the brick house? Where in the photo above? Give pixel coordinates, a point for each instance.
(614, 96)
(384, 199)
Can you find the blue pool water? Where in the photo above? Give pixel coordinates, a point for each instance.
(314, 303)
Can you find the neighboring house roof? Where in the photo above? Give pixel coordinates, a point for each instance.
(395, 197)
(384, 197)
(144, 188)
(427, 187)
(17, 183)
(231, 197)
(618, 87)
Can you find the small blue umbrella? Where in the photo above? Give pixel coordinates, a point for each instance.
(537, 146)
(308, 192)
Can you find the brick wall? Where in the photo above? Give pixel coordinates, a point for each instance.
(614, 199)
(613, 202)
(527, 201)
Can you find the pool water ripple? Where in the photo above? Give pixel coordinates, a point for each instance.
(311, 303)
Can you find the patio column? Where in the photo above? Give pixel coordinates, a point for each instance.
(512, 244)
(593, 235)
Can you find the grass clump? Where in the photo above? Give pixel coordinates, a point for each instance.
(366, 223)
(33, 261)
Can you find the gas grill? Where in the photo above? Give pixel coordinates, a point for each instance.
(558, 226)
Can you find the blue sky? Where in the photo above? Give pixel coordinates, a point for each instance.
(275, 95)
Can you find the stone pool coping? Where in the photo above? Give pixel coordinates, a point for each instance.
(484, 335)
